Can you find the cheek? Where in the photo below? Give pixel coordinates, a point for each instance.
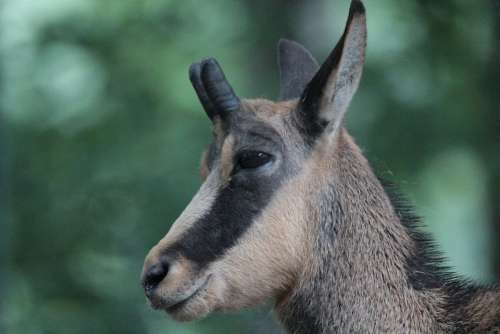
(265, 262)
(273, 253)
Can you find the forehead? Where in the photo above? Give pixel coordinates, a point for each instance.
(259, 124)
(259, 118)
(267, 111)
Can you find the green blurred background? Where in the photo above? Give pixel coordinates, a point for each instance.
(101, 135)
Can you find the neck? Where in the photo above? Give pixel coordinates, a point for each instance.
(370, 271)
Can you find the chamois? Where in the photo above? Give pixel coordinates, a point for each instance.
(290, 210)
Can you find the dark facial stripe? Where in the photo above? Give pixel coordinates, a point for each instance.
(235, 208)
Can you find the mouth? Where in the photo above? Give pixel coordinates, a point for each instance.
(180, 304)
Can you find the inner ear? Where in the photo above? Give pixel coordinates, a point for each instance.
(297, 68)
(328, 95)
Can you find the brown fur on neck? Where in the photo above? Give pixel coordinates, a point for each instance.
(359, 279)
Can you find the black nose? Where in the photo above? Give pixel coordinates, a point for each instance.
(154, 275)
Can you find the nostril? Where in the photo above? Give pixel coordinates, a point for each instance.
(154, 276)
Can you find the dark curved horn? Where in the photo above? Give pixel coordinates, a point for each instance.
(219, 91)
(195, 77)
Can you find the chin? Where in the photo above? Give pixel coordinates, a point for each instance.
(198, 306)
(195, 309)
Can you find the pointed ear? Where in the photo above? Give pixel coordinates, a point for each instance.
(328, 95)
(297, 67)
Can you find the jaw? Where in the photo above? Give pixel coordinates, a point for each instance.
(225, 288)
(197, 302)
(196, 307)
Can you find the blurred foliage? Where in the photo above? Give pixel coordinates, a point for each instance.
(102, 133)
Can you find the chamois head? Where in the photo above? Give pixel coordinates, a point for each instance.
(245, 236)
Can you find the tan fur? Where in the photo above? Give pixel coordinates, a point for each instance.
(226, 159)
(346, 166)
(204, 171)
(270, 112)
(270, 255)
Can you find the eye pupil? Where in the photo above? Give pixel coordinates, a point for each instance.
(253, 159)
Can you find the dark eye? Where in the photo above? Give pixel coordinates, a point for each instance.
(252, 159)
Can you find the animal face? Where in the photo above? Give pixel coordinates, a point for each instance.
(245, 236)
(231, 237)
